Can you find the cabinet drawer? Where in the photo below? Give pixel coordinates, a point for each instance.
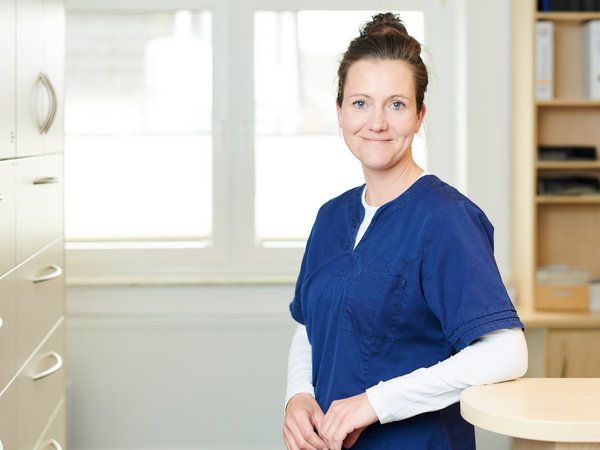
(7, 215)
(8, 420)
(7, 329)
(39, 203)
(55, 436)
(40, 298)
(40, 387)
(572, 353)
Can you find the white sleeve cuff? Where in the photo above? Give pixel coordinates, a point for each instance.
(497, 356)
(299, 377)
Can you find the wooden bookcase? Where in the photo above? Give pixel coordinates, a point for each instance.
(551, 229)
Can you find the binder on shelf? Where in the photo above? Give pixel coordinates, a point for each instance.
(544, 60)
(591, 59)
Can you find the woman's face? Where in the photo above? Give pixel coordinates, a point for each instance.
(378, 116)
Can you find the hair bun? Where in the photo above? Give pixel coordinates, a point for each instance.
(382, 24)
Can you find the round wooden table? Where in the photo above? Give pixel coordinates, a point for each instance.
(540, 413)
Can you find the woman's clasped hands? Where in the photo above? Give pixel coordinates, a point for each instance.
(306, 427)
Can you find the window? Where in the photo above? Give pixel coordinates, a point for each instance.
(195, 151)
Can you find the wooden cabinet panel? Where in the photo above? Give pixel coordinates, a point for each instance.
(39, 203)
(7, 215)
(7, 329)
(7, 79)
(40, 388)
(40, 299)
(572, 353)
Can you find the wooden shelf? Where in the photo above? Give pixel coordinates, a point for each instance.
(568, 103)
(567, 165)
(568, 16)
(567, 199)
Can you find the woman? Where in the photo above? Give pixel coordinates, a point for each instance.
(399, 302)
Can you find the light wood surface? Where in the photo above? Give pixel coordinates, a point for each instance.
(538, 409)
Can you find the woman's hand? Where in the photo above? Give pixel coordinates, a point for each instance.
(345, 421)
(302, 417)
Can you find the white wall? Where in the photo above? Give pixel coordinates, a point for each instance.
(203, 367)
(177, 367)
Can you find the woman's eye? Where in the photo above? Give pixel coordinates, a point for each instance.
(360, 104)
(398, 105)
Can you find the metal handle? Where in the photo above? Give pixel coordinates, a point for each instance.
(1, 446)
(51, 370)
(1, 323)
(56, 272)
(45, 180)
(54, 443)
(1, 198)
(45, 126)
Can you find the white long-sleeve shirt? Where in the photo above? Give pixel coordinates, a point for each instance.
(498, 356)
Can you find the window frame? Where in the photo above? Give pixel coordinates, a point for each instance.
(234, 256)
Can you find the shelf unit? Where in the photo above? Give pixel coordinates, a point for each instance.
(553, 229)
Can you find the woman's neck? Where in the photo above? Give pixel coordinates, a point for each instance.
(383, 187)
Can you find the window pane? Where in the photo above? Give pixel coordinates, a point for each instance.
(138, 119)
(301, 159)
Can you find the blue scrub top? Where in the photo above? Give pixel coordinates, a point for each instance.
(421, 285)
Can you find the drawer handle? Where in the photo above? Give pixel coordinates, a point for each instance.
(1, 323)
(56, 272)
(51, 370)
(45, 180)
(54, 443)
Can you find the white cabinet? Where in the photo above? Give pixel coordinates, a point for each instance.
(7, 215)
(7, 78)
(39, 191)
(32, 309)
(39, 76)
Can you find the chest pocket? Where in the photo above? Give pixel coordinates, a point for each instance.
(373, 305)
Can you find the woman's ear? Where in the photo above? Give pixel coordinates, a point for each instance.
(338, 109)
(420, 117)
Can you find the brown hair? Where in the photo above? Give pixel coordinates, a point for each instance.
(385, 38)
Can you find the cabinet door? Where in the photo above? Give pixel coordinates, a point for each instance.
(40, 389)
(7, 329)
(8, 420)
(39, 203)
(53, 67)
(33, 98)
(572, 353)
(7, 215)
(7, 79)
(40, 299)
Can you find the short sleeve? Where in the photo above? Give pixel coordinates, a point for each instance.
(296, 304)
(461, 281)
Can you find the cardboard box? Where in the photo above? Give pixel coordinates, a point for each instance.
(565, 298)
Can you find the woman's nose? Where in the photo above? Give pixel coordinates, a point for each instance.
(378, 121)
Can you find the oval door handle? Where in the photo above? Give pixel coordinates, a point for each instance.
(51, 370)
(45, 180)
(54, 443)
(56, 272)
